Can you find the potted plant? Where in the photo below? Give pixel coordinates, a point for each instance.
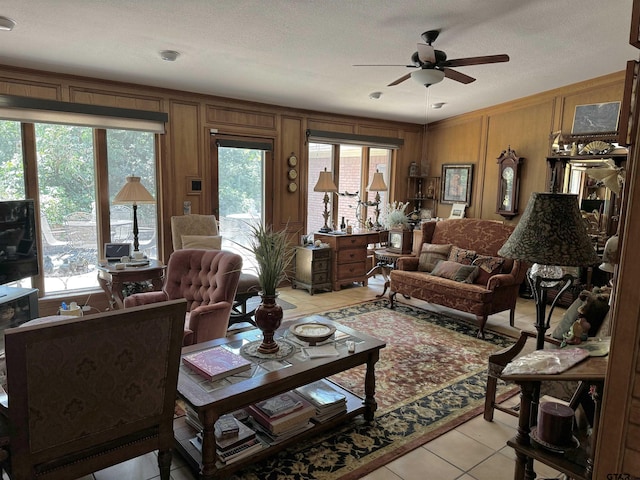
(272, 251)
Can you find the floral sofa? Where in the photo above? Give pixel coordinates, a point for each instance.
(459, 267)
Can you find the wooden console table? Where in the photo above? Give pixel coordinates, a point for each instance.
(349, 263)
(112, 280)
(576, 464)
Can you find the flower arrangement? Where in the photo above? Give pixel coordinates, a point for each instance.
(396, 215)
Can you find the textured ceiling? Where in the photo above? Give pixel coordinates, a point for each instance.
(299, 53)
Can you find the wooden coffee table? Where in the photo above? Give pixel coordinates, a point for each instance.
(268, 378)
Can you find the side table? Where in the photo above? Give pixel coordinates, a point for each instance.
(112, 280)
(578, 463)
(385, 262)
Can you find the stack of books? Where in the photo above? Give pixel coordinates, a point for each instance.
(234, 440)
(282, 416)
(327, 401)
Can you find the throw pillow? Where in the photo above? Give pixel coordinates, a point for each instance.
(203, 242)
(431, 253)
(455, 271)
(487, 267)
(461, 255)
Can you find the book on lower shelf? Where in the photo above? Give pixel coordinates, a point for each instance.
(280, 405)
(216, 363)
(328, 401)
(280, 424)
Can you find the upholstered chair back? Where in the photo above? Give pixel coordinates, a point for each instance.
(202, 277)
(195, 231)
(208, 280)
(89, 392)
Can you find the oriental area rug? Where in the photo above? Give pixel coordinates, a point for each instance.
(430, 378)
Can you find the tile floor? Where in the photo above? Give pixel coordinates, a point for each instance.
(476, 450)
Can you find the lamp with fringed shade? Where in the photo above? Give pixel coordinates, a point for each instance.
(551, 234)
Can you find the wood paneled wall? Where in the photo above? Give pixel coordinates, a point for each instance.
(185, 150)
(525, 125)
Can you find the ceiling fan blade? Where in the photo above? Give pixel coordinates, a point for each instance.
(400, 80)
(457, 76)
(426, 53)
(463, 62)
(379, 65)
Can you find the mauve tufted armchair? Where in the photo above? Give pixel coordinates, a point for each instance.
(208, 279)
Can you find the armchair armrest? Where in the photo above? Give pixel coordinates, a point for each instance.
(209, 321)
(407, 263)
(145, 298)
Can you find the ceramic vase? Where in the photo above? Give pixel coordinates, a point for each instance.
(268, 317)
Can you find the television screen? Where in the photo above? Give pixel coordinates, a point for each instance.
(18, 245)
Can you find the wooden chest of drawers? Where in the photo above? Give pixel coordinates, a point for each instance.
(349, 256)
(313, 269)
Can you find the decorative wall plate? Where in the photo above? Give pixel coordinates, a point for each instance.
(596, 147)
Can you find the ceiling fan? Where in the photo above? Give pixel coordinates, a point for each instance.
(432, 65)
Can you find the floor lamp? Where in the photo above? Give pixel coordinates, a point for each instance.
(325, 184)
(377, 185)
(551, 234)
(133, 193)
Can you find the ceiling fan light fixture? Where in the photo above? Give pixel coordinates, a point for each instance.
(6, 24)
(427, 76)
(169, 55)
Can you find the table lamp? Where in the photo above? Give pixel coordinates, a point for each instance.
(133, 193)
(325, 184)
(550, 234)
(377, 185)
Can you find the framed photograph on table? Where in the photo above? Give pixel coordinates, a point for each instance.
(456, 183)
(596, 118)
(457, 210)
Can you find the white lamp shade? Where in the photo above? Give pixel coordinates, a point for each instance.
(427, 76)
(133, 192)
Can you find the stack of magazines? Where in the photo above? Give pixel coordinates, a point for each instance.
(327, 400)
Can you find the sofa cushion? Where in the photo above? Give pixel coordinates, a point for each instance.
(430, 255)
(461, 255)
(455, 271)
(487, 267)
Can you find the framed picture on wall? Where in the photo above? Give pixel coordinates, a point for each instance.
(456, 183)
(596, 118)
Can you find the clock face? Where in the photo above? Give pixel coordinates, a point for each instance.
(395, 240)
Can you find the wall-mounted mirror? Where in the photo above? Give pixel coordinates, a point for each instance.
(508, 183)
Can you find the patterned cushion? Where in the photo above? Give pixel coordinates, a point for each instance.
(455, 271)
(430, 254)
(203, 242)
(460, 255)
(487, 267)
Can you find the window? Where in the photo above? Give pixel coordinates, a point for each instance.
(69, 170)
(353, 167)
